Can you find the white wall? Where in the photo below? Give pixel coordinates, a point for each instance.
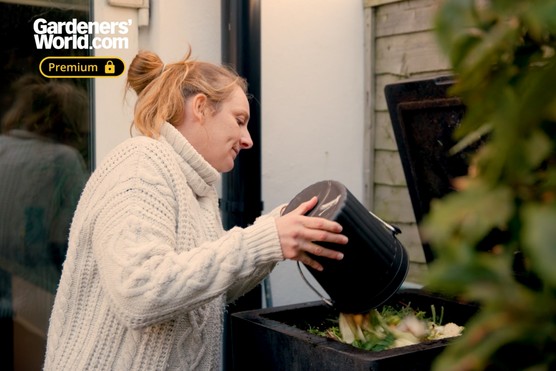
(312, 94)
(112, 117)
(312, 108)
(173, 25)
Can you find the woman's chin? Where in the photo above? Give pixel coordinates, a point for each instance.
(226, 168)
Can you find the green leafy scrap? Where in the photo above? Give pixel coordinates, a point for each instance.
(382, 329)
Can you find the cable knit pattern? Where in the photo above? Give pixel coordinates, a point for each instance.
(149, 268)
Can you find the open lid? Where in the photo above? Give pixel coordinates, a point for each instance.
(423, 118)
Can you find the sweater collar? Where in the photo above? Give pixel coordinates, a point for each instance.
(201, 174)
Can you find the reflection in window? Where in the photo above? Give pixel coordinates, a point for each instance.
(45, 160)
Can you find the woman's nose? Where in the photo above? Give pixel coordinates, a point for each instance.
(245, 141)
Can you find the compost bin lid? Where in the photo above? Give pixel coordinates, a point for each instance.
(424, 116)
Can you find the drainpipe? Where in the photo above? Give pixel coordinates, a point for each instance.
(241, 201)
(241, 188)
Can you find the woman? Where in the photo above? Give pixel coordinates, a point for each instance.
(149, 268)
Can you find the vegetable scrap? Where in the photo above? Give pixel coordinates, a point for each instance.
(390, 328)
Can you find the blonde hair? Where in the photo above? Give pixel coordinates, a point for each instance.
(163, 88)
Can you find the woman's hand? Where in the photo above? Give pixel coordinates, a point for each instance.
(297, 233)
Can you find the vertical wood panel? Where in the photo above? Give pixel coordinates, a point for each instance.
(370, 94)
(400, 44)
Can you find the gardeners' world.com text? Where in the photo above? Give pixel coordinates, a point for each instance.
(76, 34)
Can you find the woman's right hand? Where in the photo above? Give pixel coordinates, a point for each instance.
(298, 234)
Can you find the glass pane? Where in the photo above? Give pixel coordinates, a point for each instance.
(45, 160)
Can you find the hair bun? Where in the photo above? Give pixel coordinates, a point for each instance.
(145, 67)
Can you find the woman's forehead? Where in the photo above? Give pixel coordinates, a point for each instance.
(238, 100)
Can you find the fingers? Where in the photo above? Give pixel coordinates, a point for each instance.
(312, 229)
(305, 259)
(306, 206)
(315, 222)
(321, 235)
(323, 225)
(318, 250)
(300, 235)
(303, 245)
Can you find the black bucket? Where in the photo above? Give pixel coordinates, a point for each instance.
(375, 263)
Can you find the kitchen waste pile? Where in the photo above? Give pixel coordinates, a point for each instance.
(389, 328)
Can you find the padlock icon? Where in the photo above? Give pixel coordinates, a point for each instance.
(109, 68)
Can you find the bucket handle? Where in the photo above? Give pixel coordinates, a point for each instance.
(395, 230)
(329, 302)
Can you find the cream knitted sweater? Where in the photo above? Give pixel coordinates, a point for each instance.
(149, 268)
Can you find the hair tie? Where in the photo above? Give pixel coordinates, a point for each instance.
(163, 68)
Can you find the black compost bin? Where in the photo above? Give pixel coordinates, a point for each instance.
(276, 338)
(423, 118)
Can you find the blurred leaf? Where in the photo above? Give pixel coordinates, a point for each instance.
(470, 139)
(540, 17)
(537, 148)
(539, 235)
(451, 21)
(460, 270)
(471, 213)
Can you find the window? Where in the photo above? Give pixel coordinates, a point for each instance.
(45, 160)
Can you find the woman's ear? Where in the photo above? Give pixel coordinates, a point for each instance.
(199, 106)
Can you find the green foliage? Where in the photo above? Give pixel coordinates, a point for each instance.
(376, 343)
(503, 53)
(383, 328)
